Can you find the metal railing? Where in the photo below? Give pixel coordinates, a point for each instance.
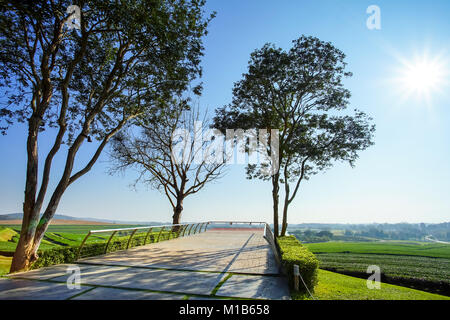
(237, 222)
(178, 229)
(268, 235)
(182, 230)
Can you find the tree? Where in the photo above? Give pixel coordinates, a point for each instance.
(168, 158)
(126, 59)
(348, 233)
(325, 233)
(300, 92)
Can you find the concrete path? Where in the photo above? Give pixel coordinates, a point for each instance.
(215, 264)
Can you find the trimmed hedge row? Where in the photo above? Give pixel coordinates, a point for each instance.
(294, 253)
(69, 254)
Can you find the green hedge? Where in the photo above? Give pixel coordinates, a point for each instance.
(69, 254)
(294, 253)
(56, 256)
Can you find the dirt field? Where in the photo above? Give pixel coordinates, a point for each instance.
(59, 222)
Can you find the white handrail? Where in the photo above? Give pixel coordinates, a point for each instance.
(136, 228)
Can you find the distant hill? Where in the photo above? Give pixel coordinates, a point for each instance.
(18, 216)
(343, 226)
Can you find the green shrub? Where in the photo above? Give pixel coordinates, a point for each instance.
(294, 253)
(55, 256)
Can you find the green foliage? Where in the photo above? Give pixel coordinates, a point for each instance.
(5, 263)
(55, 256)
(411, 267)
(80, 229)
(312, 236)
(127, 56)
(417, 265)
(6, 234)
(10, 246)
(60, 235)
(384, 231)
(335, 286)
(69, 254)
(389, 247)
(301, 93)
(127, 60)
(294, 253)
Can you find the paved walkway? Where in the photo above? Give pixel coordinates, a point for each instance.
(216, 264)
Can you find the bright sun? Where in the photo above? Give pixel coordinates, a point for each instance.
(422, 77)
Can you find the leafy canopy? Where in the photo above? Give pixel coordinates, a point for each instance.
(127, 58)
(301, 93)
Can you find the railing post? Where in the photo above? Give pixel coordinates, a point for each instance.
(146, 236)
(159, 235)
(296, 276)
(82, 244)
(206, 226)
(179, 230)
(131, 236)
(195, 230)
(184, 230)
(189, 232)
(109, 240)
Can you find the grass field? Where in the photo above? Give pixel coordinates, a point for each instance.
(335, 286)
(6, 234)
(76, 228)
(5, 263)
(409, 248)
(66, 235)
(57, 235)
(410, 267)
(424, 266)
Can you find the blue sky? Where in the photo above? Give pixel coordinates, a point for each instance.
(404, 177)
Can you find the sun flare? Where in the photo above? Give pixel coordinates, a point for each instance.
(421, 78)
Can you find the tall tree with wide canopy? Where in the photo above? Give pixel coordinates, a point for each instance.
(126, 59)
(300, 92)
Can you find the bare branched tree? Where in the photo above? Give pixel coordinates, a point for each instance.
(171, 156)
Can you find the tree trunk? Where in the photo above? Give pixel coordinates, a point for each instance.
(275, 197)
(26, 251)
(284, 225)
(285, 208)
(177, 214)
(24, 255)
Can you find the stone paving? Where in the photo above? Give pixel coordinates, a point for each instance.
(193, 267)
(222, 251)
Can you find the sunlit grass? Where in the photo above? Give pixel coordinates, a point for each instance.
(335, 286)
